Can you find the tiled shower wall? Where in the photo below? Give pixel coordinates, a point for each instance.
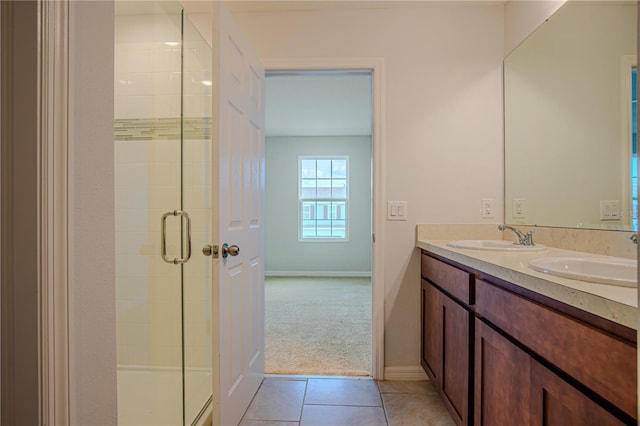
(148, 152)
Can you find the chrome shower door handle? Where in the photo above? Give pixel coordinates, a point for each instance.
(163, 239)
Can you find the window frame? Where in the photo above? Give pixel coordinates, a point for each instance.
(345, 200)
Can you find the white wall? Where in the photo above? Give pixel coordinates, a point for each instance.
(284, 252)
(522, 17)
(92, 293)
(443, 121)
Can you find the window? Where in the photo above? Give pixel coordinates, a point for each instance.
(323, 197)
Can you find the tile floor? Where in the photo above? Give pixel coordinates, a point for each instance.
(308, 401)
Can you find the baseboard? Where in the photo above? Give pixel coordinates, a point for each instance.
(410, 373)
(328, 274)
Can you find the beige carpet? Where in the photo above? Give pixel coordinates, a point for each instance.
(318, 326)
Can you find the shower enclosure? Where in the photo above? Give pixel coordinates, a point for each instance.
(163, 215)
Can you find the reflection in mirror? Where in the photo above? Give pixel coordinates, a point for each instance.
(570, 120)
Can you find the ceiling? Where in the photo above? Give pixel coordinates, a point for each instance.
(249, 6)
(318, 104)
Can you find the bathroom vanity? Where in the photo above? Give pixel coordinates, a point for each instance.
(504, 344)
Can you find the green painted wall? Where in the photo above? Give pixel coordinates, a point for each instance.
(284, 253)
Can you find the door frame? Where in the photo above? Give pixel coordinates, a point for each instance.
(56, 213)
(627, 62)
(60, 133)
(376, 66)
(53, 400)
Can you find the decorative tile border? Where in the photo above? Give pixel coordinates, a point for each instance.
(156, 129)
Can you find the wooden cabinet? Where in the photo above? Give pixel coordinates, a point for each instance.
(502, 380)
(456, 334)
(502, 355)
(431, 331)
(554, 402)
(512, 388)
(446, 337)
(604, 364)
(454, 281)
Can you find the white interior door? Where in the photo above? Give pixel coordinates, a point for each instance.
(238, 331)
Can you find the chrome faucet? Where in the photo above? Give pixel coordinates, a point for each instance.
(521, 238)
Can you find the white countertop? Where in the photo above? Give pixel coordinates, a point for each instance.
(618, 304)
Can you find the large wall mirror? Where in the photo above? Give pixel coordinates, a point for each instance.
(570, 126)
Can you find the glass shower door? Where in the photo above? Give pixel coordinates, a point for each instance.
(162, 169)
(196, 189)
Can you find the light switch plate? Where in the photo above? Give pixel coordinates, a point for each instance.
(396, 210)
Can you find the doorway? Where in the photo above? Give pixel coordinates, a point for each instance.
(318, 222)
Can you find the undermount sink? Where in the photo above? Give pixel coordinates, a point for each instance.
(494, 245)
(614, 271)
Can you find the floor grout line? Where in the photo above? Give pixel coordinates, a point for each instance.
(400, 392)
(304, 397)
(384, 409)
(344, 405)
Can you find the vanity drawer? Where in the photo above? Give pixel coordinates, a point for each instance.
(455, 281)
(599, 361)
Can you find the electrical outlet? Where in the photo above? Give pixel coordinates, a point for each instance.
(609, 210)
(488, 205)
(519, 208)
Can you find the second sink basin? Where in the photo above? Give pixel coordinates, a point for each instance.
(494, 245)
(614, 271)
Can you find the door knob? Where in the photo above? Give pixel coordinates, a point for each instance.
(229, 250)
(210, 250)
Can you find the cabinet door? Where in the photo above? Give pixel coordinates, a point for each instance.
(456, 326)
(502, 380)
(554, 402)
(603, 363)
(432, 332)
